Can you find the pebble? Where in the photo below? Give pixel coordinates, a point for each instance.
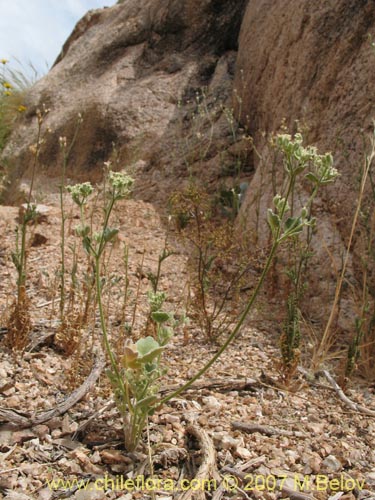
(225, 442)
(9, 392)
(91, 493)
(171, 419)
(45, 494)
(40, 430)
(331, 464)
(370, 478)
(212, 403)
(203, 420)
(5, 436)
(54, 423)
(168, 436)
(243, 453)
(22, 436)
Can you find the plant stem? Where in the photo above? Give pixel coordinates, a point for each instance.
(276, 242)
(63, 218)
(104, 326)
(234, 332)
(366, 168)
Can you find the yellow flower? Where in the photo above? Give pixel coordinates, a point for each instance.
(7, 85)
(22, 108)
(4, 61)
(7, 93)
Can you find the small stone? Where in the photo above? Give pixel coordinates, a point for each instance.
(315, 427)
(171, 418)
(90, 493)
(40, 430)
(203, 420)
(8, 391)
(54, 423)
(331, 464)
(23, 436)
(15, 495)
(177, 426)
(370, 478)
(225, 442)
(292, 457)
(113, 457)
(5, 436)
(45, 494)
(315, 464)
(66, 425)
(168, 436)
(212, 403)
(243, 453)
(13, 402)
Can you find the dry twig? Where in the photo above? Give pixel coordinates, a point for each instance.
(351, 404)
(267, 430)
(207, 468)
(24, 419)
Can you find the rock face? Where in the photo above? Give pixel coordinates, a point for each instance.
(135, 71)
(313, 62)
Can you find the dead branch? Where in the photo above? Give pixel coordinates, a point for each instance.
(24, 419)
(219, 384)
(207, 468)
(222, 489)
(267, 430)
(351, 404)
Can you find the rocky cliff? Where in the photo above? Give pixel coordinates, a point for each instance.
(135, 71)
(313, 62)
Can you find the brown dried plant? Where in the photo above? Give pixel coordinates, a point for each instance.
(218, 263)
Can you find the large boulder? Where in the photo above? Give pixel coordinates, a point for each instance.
(312, 62)
(132, 71)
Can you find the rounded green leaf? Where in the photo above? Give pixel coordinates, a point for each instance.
(160, 316)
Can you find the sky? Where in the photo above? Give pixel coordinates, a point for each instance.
(34, 31)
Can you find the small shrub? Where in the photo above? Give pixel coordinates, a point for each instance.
(318, 170)
(19, 324)
(218, 265)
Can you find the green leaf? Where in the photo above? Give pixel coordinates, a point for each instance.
(148, 349)
(82, 231)
(209, 262)
(86, 242)
(164, 334)
(112, 378)
(273, 221)
(291, 223)
(160, 316)
(146, 345)
(15, 260)
(146, 402)
(151, 355)
(312, 177)
(109, 234)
